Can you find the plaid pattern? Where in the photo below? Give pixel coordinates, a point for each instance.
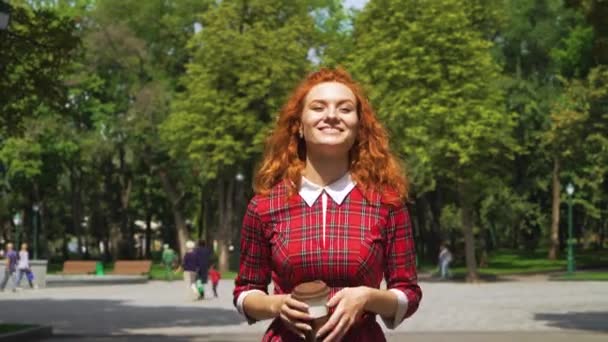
(365, 239)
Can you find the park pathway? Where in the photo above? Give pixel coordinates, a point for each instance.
(160, 311)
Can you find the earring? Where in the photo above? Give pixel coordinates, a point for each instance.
(301, 134)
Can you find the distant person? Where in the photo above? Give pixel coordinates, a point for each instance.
(169, 258)
(10, 268)
(445, 258)
(215, 276)
(203, 254)
(23, 266)
(190, 268)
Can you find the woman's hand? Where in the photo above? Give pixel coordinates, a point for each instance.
(350, 305)
(294, 315)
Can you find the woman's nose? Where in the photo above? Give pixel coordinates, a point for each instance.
(332, 112)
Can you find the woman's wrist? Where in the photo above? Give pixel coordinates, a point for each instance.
(368, 297)
(382, 302)
(276, 303)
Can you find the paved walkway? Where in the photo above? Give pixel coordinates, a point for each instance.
(409, 337)
(161, 311)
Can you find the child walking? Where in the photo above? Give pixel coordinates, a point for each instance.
(215, 276)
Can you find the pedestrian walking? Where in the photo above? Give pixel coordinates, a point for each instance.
(215, 277)
(190, 267)
(329, 205)
(445, 258)
(23, 267)
(10, 267)
(203, 256)
(169, 259)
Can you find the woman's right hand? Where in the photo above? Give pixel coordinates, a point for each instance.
(294, 315)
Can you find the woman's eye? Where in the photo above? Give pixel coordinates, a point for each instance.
(317, 108)
(345, 110)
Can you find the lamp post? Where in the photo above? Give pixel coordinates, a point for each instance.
(5, 14)
(570, 192)
(36, 209)
(17, 221)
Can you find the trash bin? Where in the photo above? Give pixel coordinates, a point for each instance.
(99, 268)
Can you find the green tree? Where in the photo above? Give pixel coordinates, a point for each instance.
(435, 86)
(138, 50)
(232, 92)
(35, 54)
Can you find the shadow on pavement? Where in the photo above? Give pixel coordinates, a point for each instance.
(592, 321)
(111, 316)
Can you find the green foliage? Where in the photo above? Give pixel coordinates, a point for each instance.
(100, 97)
(234, 90)
(506, 213)
(21, 158)
(35, 52)
(574, 58)
(435, 86)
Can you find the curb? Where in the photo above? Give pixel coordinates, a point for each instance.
(31, 334)
(89, 279)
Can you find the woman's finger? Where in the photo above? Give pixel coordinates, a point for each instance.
(291, 326)
(330, 324)
(296, 304)
(339, 331)
(295, 314)
(335, 299)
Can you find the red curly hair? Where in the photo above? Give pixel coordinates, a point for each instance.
(372, 165)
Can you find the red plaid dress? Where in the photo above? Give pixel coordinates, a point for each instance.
(282, 238)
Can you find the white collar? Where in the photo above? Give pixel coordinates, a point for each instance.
(337, 190)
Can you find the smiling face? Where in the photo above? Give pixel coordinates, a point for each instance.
(329, 119)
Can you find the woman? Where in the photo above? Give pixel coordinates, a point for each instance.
(23, 266)
(329, 206)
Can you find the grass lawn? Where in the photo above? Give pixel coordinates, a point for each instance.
(158, 273)
(512, 262)
(9, 328)
(583, 275)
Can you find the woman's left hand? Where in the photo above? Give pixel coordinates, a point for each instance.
(350, 306)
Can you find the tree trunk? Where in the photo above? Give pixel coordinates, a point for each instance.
(603, 227)
(202, 232)
(178, 218)
(435, 205)
(76, 200)
(148, 234)
(208, 233)
(43, 246)
(148, 214)
(225, 200)
(421, 217)
(466, 218)
(114, 241)
(419, 229)
(223, 255)
(554, 243)
(483, 248)
(126, 184)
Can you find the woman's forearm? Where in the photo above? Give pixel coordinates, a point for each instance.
(382, 302)
(261, 306)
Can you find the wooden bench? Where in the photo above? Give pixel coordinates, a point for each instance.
(79, 267)
(132, 267)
